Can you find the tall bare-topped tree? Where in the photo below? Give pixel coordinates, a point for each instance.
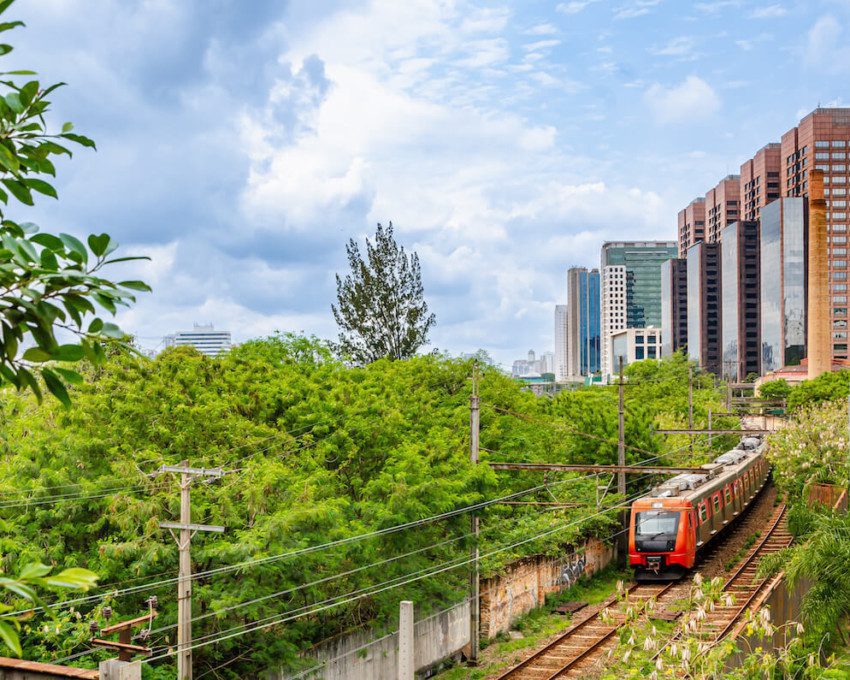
(381, 308)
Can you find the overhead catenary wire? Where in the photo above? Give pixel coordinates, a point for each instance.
(302, 551)
(357, 595)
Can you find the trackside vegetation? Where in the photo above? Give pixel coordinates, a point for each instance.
(317, 451)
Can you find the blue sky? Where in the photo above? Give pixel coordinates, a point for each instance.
(241, 143)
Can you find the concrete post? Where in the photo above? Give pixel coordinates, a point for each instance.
(819, 333)
(406, 666)
(119, 670)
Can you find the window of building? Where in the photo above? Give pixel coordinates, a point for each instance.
(839, 156)
(839, 336)
(821, 156)
(839, 300)
(839, 204)
(838, 276)
(839, 311)
(821, 144)
(839, 287)
(638, 339)
(837, 180)
(839, 251)
(839, 168)
(839, 239)
(638, 353)
(838, 143)
(839, 264)
(825, 168)
(650, 352)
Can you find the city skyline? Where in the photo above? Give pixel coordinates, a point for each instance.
(475, 129)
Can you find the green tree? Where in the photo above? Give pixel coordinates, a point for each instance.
(381, 308)
(48, 283)
(826, 387)
(25, 587)
(775, 389)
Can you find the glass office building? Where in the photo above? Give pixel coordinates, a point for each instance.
(783, 283)
(704, 296)
(584, 331)
(642, 261)
(740, 300)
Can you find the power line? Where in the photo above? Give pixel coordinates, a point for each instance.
(357, 595)
(302, 551)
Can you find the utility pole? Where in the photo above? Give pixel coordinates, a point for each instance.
(691, 406)
(184, 541)
(474, 594)
(709, 430)
(621, 457)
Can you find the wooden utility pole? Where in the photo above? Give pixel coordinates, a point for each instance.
(621, 435)
(184, 541)
(621, 456)
(474, 593)
(709, 430)
(691, 406)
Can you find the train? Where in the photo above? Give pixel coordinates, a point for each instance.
(677, 519)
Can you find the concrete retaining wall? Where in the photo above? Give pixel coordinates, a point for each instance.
(526, 583)
(523, 587)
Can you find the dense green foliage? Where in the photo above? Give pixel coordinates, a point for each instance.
(319, 452)
(381, 309)
(26, 586)
(49, 284)
(826, 387)
(813, 447)
(775, 389)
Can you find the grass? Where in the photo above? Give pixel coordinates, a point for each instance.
(749, 543)
(538, 625)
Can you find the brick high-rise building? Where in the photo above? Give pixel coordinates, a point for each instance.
(691, 225)
(760, 180)
(722, 207)
(674, 306)
(704, 305)
(822, 141)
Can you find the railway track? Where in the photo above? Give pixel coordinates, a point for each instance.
(582, 645)
(744, 584)
(583, 640)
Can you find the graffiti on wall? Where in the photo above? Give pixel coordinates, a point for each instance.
(572, 571)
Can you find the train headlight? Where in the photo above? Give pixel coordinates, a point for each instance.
(657, 505)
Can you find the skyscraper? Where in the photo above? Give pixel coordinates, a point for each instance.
(674, 306)
(631, 289)
(740, 344)
(760, 180)
(704, 295)
(691, 223)
(822, 141)
(583, 321)
(783, 283)
(560, 342)
(722, 206)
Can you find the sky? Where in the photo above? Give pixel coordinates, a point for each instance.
(241, 143)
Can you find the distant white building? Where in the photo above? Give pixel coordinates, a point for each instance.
(547, 362)
(635, 344)
(203, 338)
(560, 343)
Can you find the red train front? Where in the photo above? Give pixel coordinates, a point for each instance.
(662, 540)
(686, 512)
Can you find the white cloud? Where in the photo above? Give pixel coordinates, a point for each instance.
(716, 6)
(541, 29)
(574, 6)
(635, 8)
(826, 46)
(681, 47)
(692, 100)
(541, 45)
(769, 12)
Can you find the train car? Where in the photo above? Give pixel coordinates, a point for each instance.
(678, 518)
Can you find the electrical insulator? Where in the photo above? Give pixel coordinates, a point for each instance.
(107, 613)
(94, 627)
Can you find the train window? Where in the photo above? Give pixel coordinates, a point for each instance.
(716, 503)
(728, 495)
(703, 512)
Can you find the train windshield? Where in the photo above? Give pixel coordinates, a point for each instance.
(656, 523)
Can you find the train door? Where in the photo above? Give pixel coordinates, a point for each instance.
(717, 511)
(691, 536)
(738, 495)
(728, 506)
(703, 523)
